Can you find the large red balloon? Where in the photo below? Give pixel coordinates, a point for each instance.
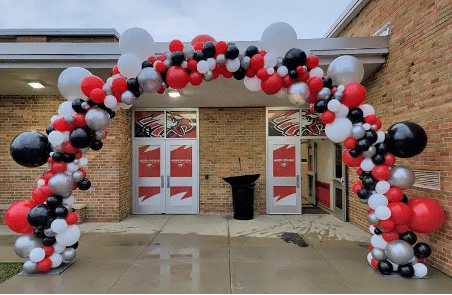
(381, 172)
(427, 215)
(272, 85)
(354, 95)
(203, 38)
(177, 77)
(400, 212)
(89, 83)
(16, 216)
(349, 161)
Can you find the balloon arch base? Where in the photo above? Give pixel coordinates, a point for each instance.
(48, 221)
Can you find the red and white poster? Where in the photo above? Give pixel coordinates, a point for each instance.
(284, 161)
(149, 124)
(283, 122)
(149, 161)
(181, 161)
(181, 195)
(148, 195)
(181, 124)
(285, 195)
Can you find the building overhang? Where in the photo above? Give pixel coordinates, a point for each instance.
(21, 63)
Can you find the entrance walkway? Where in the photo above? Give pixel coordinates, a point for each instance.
(216, 254)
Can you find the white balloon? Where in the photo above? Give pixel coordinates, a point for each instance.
(382, 187)
(72, 167)
(37, 254)
(383, 212)
(129, 65)
(334, 105)
(56, 137)
(342, 112)
(346, 69)
(41, 182)
(66, 109)
(58, 225)
(316, 72)
(377, 200)
(253, 84)
(420, 270)
(283, 71)
(54, 117)
(339, 130)
(69, 82)
(367, 165)
(270, 60)
(110, 101)
(367, 109)
(58, 248)
(203, 66)
(378, 242)
(137, 41)
(232, 65)
(299, 93)
(212, 63)
(372, 229)
(369, 257)
(278, 38)
(380, 136)
(83, 161)
(69, 236)
(56, 259)
(69, 201)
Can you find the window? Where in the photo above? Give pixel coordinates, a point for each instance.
(384, 30)
(427, 179)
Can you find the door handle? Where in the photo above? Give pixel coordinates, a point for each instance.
(298, 181)
(162, 181)
(168, 181)
(342, 180)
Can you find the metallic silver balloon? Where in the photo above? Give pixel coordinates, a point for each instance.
(108, 90)
(69, 119)
(245, 62)
(77, 176)
(24, 244)
(30, 267)
(127, 97)
(221, 59)
(372, 218)
(97, 119)
(100, 135)
(370, 152)
(346, 69)
(401, 177)
(188, 51)
(208, 76)
(149, 79)
(299, 91)
(357, 131)
(61, 184)
(68, 254)
(48, 232)
(378, 254)
(324, 93)
(338, 95)
(167, 63)
(399, 252)
(279, 61)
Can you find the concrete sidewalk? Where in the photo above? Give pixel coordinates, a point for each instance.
(217, 254)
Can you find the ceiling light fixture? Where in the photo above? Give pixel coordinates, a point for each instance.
(174, 94)
(36, 85)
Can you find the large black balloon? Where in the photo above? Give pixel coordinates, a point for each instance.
(294, 57)
(422, 250)
(30, 149)
(409, 237)
(251, 50)
(406, 270)
(385, 267)
(81, 137)
(208, 49)
(232, 52)
(239, 74)
(406, 139)
(39, 215)
(177, 58)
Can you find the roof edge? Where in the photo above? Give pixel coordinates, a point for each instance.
(345, 18)
(69, 32)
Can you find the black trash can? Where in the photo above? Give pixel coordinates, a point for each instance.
(243, 195)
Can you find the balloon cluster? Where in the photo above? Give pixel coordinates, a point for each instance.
(48, 220)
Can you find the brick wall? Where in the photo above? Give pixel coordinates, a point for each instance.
(108, 169)
(225, 135)
(415, 84)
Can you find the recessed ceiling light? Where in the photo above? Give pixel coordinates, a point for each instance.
(36, 85)
(174, 94)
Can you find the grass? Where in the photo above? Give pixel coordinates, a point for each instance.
(9, 270)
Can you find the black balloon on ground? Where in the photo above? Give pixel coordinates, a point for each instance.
(39, 215)
(406, 270)
(30, 149)
(385, 267)
(406, 139)
(422, 250)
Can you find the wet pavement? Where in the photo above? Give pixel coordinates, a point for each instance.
(217, 254)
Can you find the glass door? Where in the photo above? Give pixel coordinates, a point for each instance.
(339, 186)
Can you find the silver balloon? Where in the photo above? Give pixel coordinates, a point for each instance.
(61, 184)
(48, 232)
(97, 119)
(127, 97)
(108, 90)
(221, 59)
(69, 119)
(324, 93)
(399, 252)
(100, 135)
(370, 152)
(346, 69)
(338, 95)
(188, 51)
(150, 80)
(208, 76)
(30, 267)
(245, 62)
(401, 177)
(378, 254)
(167, 63)
(299, 92)
(24, 244)
(357, 131)
(77, 176)
(372, 218)
(279, 61)
(68, 254)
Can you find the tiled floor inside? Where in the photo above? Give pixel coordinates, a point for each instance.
(217, 254)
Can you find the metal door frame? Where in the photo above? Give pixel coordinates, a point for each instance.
(342, 184)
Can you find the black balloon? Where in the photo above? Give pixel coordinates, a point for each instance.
(68, 158)
(293, 74)
(232, 52)
(354, 153)
(75, 246)
(239, 74)
(371, 136)
(77, 106)
(422, 250)
(321, 106)
(251, 50)
(363, 145)
(58, 157)
(377, 231)
(91, 102)
(49, 129)
(208, 49)
(404, 199)
(48, 241)
(406, 139)
(294, 57)
(84, 185)
(96, 145)
(60, 211)
(177, 58)
(385, 267)
(146, 64)
(355, 115)
(381, 148)
(81, 137)
(38, 215)
(327, 82)
(406, 270)
(198, 55)
(369, 182)
(49, 222)
(54, 201)
(409, 237)
(378, 159)
(133, 85)
(364, 193)
(38, 233)
(30, 149)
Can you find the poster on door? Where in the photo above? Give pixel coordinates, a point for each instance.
(285, 195)
(149, 161)
(181, 161)
(181, 195)
(311, 125)
(149, 195)
(284, 161)
(181, 124)
(283, 122)
(149, 124)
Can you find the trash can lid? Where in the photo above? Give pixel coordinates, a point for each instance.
(242, 179)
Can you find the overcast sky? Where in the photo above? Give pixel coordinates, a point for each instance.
(176, 19)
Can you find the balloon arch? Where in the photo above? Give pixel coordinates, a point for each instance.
(48, 221)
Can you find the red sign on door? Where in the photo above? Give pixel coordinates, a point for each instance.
(149, 161)
(181, 161)
(145, 193)
(284, 161)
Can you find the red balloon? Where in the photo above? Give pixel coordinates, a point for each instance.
(315, 84)
(394, 194)
(152, 59)
(402, 228)
(58, 167)
(115, 70)
(381, 172)
(89, 83)
(69, 148)
(327, 117)
(371, 119)
(354, 95)
(390, 236)
(177, 77)
(44, 265)
(46, 190)
(192, 65)
(79, 120)
(389, 159)
(250, 73)
(350, 142)
(176, 45)
(162, 57)
(350, 161)
(16, 216)
(61, 125)
(312, 61)
(400, 212)
(287, 81)
(38, 195)
(370, 247)
(161, 90)
(374, 263)
(97, 95)
(262, 74)
(227, 74)
(303, 77)
(196, 78)
(119, 85)
(221, 47)
(387, 225)
(427, 215)
(356, 186)
(203, 38)
(272, 85)
(359, 171)
(49, 250)
(71, 218)
(257, 62)
(159, 66)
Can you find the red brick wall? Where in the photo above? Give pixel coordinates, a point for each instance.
(415, 84)
(108, 169)
(225, 135)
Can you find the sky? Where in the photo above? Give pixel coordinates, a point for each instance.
(165, 20)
